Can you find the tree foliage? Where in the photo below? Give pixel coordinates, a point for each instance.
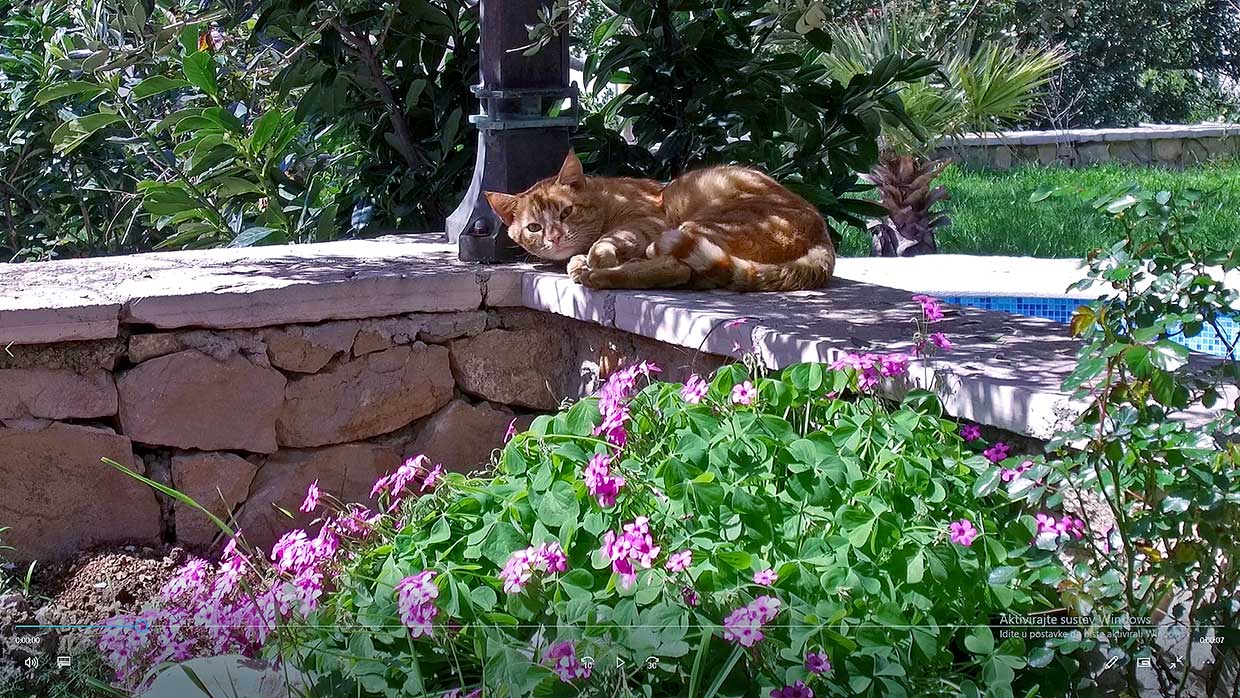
(736, 82)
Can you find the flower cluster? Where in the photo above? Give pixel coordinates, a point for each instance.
(612, 401)
(547, 558)
(202, 610)
(356, 521)
(765, 577)
(1010, 474)
(562, 658)
(963, 532)
(930, 307)
(817, 663)
(415, 601)
(411, 474)
(871, 368)
(796, 690)
(744, 625)
(694, 390)
(970, 432)
(631, 549)
(679, 562)
(296, 553)
(600, 482)
(1048, 524)
(997, 452)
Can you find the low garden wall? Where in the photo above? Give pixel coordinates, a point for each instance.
(1167, 145)
(241, 376)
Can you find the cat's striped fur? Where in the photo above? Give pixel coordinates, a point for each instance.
(719, 227)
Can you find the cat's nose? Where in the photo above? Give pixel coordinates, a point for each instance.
(554, 235)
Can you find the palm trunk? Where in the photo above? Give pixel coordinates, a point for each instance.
(904, 187)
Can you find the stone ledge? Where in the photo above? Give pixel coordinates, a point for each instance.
(1005, 372)
(1086, 135)
(232, 288)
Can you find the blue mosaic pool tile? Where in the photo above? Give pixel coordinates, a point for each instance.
(1061, 310)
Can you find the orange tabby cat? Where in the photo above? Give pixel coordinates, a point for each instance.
(721, 227)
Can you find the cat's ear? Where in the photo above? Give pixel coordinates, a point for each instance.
(571, 173)
(504, 205)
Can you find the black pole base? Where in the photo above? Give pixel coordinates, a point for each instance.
(508, 162)
(519, 141)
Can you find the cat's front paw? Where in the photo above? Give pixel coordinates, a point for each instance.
(603, 255)
(579, 269)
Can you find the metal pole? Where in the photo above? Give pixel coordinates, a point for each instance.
(518, 143)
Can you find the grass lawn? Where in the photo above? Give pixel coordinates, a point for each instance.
(991, 212)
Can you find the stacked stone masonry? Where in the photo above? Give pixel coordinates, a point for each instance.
(1167, 146)
(244, 420)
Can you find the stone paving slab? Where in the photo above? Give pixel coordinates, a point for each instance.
(1005, 370)
(234, 288)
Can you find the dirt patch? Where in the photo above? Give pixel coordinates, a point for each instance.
(85, 590)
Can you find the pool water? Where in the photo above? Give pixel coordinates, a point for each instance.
(1061, 310)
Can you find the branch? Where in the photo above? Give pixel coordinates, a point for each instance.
(359, 45)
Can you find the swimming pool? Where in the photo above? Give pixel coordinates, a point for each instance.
(1061, 309)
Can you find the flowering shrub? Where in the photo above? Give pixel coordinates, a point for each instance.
(1144, 451)
(788, 534)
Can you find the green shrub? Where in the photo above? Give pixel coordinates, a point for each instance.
(1155, 447)
(744, 532)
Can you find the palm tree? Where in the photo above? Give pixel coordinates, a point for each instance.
(982, 85)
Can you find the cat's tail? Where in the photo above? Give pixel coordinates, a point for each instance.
(715, 267)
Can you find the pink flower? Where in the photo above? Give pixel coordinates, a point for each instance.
(941, 341)
(871, 368)
(891, 365)
(512, 430)
(694, 390)
(1009, 474)
(413, 471)
(519, 570)
(930, 307)
(796, 690)
(633, 548)
(817, 663)
(432, 478)
(679, 562)
(415, 601)
(600, 483)
(735, 323)
(765, 577)
(743, 626)
(963, 532)
(356, 522)
(997, 452)
(1046, 522)
(188, 581)
(311, 502)
(562, 658)
(305, 591)
(970, 432)
(1064, 525)
(744, 394)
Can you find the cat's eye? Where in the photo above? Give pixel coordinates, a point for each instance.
(534, 227)
(566, 213)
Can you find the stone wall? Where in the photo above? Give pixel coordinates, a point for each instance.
(242, 375)
(244, 420)
(1167, 146)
